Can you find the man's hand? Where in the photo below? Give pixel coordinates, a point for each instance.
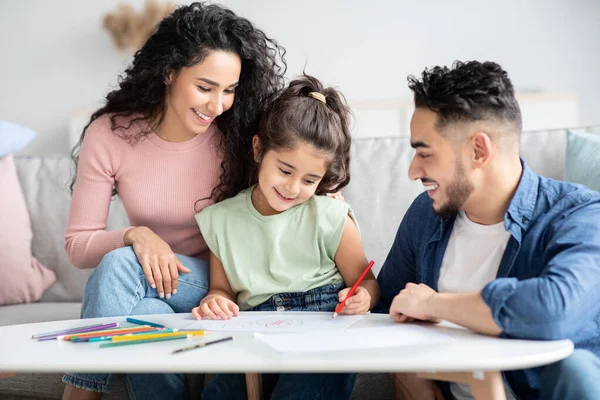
(412, 303)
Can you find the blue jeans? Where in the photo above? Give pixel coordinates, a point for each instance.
(577, 377)
(118, 287)
(290, 386)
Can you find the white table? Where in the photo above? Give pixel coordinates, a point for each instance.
(472, 358)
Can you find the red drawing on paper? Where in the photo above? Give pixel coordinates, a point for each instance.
(270, 324)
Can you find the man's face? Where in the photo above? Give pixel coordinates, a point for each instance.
(438, 165)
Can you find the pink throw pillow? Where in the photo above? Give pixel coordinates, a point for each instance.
(23, 278)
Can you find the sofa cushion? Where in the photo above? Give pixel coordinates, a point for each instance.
(13, 137)
(44, 181)
(38, 312)
(24, 278)
(583, 159)
(544, 151)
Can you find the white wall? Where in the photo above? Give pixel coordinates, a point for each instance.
(57, 58)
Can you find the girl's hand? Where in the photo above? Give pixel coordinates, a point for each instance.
(160, 265)
(357, 304)
(216, 306)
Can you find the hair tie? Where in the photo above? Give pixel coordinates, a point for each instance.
(318, 96)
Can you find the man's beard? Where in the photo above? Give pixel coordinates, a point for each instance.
(457, 194)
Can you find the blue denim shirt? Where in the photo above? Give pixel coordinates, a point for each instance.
(548, 281)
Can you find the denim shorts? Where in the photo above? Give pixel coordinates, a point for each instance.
(323, 298)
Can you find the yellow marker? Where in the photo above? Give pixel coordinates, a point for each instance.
(157, 335)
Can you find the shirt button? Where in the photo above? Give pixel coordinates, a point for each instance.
(524, 220)
(280, 308)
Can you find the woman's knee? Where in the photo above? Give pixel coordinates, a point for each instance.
(119, 262)
(118, 272)
(198, 275)
(119, 256)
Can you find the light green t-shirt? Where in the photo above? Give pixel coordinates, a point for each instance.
(265, 255)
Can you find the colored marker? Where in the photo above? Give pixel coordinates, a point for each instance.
(105, 338)
(155, 335)
(88, 338)
(82, 329)
(104, 332)
(140, 322)
(352, 290)
(128, 342)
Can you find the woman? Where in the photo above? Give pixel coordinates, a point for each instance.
(170, 141)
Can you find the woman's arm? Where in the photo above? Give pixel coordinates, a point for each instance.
(351, 261)
(86, 239)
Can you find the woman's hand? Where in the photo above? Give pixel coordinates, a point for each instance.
(337, 196)
(358, 304)
(160, 265)
(216, 306)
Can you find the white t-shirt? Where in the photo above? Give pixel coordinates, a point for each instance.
(471, 261)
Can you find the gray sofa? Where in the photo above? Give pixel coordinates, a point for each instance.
(380, 192)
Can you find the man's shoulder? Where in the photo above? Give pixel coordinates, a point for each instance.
(561, 196)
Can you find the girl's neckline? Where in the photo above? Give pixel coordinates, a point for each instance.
(267, 218)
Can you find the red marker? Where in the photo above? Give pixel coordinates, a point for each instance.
(353, 289)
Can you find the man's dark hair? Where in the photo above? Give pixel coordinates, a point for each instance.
(468, 92)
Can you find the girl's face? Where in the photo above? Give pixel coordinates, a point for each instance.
(198, 94)
(287, 178)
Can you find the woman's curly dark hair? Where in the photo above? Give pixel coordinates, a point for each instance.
(469, 91)
(307, 112)
(184, 39)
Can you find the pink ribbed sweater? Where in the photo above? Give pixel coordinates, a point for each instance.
(158, 182)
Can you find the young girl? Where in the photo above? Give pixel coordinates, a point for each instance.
(278, 247)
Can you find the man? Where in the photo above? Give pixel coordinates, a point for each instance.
(492, 246)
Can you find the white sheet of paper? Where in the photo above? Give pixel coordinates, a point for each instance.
(283, 323)
(350, 339)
